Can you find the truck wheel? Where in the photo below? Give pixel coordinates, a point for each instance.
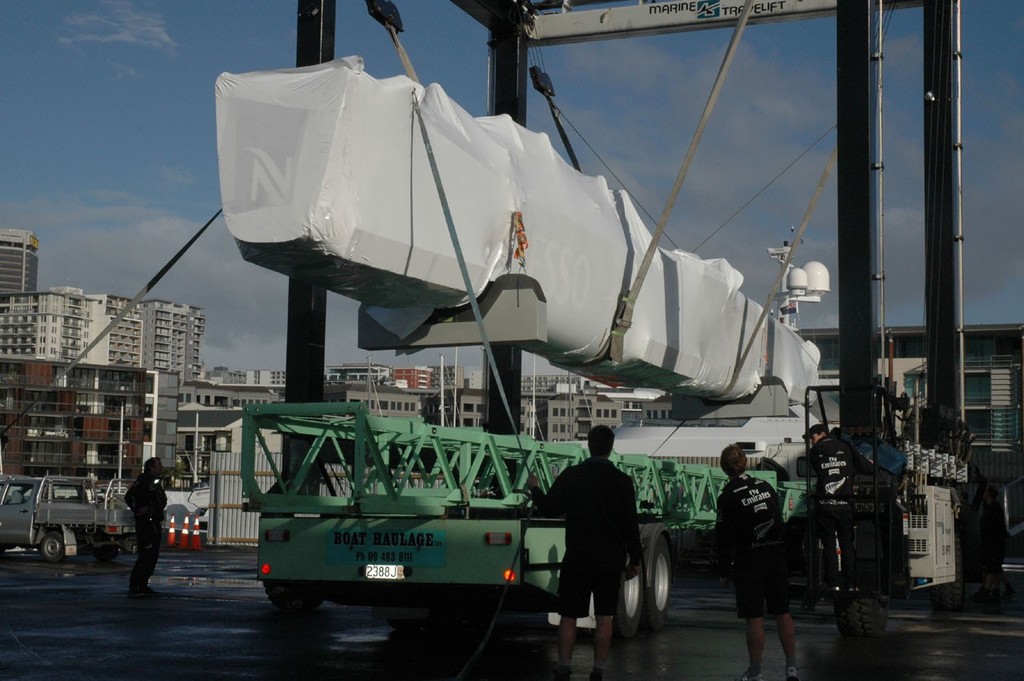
(106, 554)
(52, 547)
(627, 615)
(860, 616)
(287, 598)
(657, 588)
(950, 597)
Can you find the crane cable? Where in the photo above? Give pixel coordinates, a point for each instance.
(826, 172)
(478, 317)
(624, 316)
(785, 265)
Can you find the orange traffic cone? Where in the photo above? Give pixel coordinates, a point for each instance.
(171, 537)
(183, 543)
(197, 542)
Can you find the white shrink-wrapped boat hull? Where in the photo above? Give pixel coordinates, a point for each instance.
(325, 177)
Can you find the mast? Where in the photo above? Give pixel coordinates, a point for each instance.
(879, 167)
(958, 214)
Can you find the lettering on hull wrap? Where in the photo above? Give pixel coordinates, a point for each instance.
(361, 547)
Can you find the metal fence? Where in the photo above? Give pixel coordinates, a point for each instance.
(228, 524)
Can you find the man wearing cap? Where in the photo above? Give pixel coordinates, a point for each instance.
(834, 463)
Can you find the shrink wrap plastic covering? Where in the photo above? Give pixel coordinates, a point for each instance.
(324, 177)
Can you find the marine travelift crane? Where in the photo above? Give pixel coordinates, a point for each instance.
(298, 200)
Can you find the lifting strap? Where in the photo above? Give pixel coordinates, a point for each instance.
(387, 16)
(402, 54)
(467, 282)
(624, 315)
(542, 84)
(785, 265)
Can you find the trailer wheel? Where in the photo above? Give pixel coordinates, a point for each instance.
(287, 598)
(860, 617)
(657, 588)
(950, 597)
(627, 615)
(52, 547)
(105, 554)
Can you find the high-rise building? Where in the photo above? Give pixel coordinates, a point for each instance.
(19, 260)
(172, 334)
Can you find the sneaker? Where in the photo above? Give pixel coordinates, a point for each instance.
(751, 677)
(792, 674)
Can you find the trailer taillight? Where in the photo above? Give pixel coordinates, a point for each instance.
(276, 535)
(265, 569)
(509, 575)
(497, 538)
(113, 529)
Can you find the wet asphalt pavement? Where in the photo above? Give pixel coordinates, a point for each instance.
(212, 621)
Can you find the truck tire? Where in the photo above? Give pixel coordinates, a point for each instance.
(627, 615)
(950, 597)
(287, 598)
(52, 546)
(860, 617)
(657, 587)
(105, 554)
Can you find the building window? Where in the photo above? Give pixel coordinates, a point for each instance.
(977, 388)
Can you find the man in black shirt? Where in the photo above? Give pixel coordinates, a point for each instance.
(993, 547)
(601, 528)
(749, 535)
(834, 463)
(146, 498)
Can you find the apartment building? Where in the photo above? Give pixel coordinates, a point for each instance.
(172, 337)
(90, 422)
(59, 324)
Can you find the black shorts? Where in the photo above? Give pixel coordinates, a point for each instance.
(762, 579)
(575, 588)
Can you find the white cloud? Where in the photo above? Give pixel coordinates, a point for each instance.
(117, 21)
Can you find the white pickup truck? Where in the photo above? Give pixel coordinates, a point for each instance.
(65, 516)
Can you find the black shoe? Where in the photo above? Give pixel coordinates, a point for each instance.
(561, 675)
(146, 591)
(596, 676)
(1008, 592)
(135, 592)
(986, 596)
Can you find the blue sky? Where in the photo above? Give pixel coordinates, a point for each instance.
(109, 145)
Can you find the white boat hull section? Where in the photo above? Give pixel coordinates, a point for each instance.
(325, 177)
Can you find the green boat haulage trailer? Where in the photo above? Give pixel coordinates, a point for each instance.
(430, 524)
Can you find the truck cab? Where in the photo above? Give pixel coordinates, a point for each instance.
(17, 511)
